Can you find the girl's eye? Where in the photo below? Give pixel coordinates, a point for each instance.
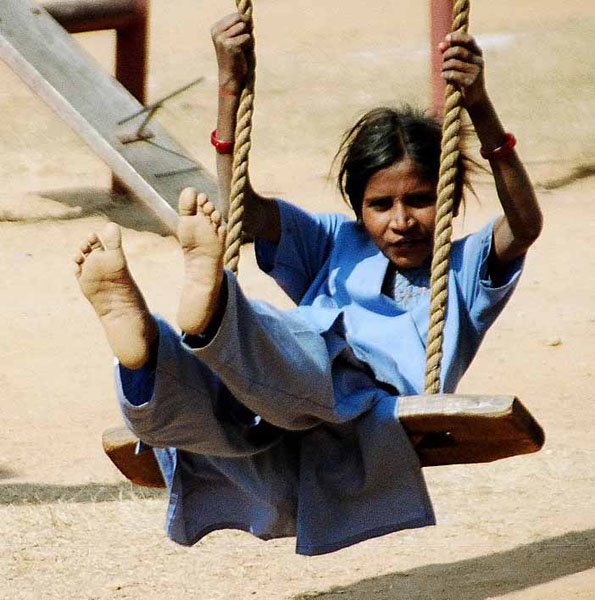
(381, 203)
(421, 200)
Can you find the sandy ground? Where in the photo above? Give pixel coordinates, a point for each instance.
(522, 528)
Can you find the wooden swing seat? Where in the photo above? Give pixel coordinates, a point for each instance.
(449, 429)
(444, 429)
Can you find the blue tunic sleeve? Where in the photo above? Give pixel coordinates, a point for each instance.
(483, 298)
(305, 245)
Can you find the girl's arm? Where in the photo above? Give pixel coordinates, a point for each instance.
(522, 221)
(233, 41)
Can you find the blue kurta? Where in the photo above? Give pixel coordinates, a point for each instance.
(285, 423)
(331, 267)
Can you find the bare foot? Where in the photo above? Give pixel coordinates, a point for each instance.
(201, 235)
(105, 280)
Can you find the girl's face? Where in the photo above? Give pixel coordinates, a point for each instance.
(398, 211)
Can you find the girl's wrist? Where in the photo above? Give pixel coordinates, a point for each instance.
(477, 101)
(229, 92)
(229, 85)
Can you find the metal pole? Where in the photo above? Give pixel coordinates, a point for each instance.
(440, 25)
(77, 16)
(132, 51)
(130, 19)
(131, 61)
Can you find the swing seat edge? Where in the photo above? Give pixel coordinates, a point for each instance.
(120, 444)
(463, 429)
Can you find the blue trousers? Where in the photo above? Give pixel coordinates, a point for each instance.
(275, 428)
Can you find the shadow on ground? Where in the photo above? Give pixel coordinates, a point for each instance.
(478, 578)
(30, 493)
(577, 173)
(124, 210)
(77, 203)
(6, 472)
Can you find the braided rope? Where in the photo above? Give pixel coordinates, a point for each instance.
(243, 143)
(449, 156)
(444, 206)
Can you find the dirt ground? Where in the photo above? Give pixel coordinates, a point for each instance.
(522, 528)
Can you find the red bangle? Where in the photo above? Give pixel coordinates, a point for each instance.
(501, 151)
(221, 146)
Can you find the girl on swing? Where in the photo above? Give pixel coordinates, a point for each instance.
(284, 423)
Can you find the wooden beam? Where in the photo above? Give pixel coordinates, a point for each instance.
(56, 68)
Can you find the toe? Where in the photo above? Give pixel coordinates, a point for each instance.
(201, 199)
(93, 241)
(86, 248)
(187, 202)
(208, 208)
(111, 236)
(216, 217)
(221, 230)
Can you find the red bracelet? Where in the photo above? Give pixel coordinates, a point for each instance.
(221, 146)
(501, 151)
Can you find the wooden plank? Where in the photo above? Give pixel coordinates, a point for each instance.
(444, 429)
(56, 68)
(457, 429)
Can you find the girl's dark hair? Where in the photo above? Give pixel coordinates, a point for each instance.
(384, 136)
